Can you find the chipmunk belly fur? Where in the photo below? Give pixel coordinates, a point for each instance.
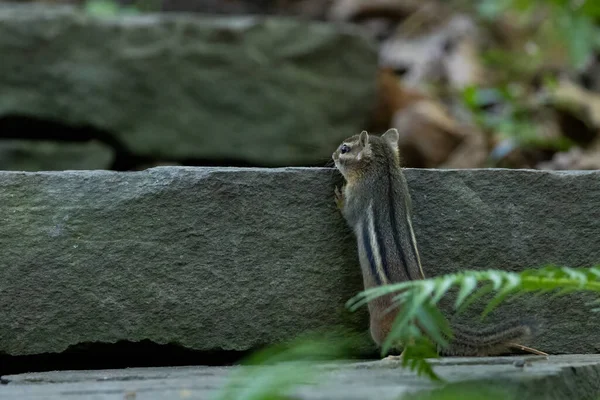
(377, 206)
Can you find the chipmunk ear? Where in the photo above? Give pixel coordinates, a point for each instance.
(392, 137)
(363, 140)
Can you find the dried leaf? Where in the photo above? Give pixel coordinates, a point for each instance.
(429, 51)
(425, 127)
(583, 103)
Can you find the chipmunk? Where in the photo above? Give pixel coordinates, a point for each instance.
(376, 204)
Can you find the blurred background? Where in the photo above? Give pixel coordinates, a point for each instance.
(127, 85)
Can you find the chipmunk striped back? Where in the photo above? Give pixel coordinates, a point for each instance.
(385, 235)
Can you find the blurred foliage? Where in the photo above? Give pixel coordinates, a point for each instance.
(545, 38)
(110, 8)
(571, 22)
(275, 372)
(272, 373)
(509, 115)
(422, 328)
(107, 8)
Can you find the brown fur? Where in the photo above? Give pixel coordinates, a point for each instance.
(377, 206)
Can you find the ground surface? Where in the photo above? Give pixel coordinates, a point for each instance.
(571, 376)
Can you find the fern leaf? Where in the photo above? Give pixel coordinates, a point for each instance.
(443, 285)
(415, 358)
(497, 277)
(405, 317)
(495, 302)
(419, 317)
(430, 323)
(467, 286)
(482, 291)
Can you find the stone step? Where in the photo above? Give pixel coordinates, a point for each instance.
(265, 91)
(575, 377)
(235, 258)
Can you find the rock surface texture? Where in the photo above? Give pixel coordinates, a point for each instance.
(230, 258)
(264, 91)
(574, 377)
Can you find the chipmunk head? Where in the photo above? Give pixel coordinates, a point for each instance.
(356, 153)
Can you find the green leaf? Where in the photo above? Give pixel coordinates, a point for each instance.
(497, 278)
(370, 294)
(492, 305)
(511, 283)
(590, 8)
(101, 8)
(482, 291)
(492, 9)
(432, 321)
(579, 32)
(415, 358)
(595, 272)
(564, 291)
(273, 372)
(575, 275)
(442, 287)
(468, 285)
(399, 331)
(469, 94)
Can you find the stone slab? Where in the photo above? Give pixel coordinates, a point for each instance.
(575, 377)
(235, 258)
(265, 91)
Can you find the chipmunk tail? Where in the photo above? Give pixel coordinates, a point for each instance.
(489, 341)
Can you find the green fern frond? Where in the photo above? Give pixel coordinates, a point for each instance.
(274, 372)
(544, 279)
(482, 291)
(420, 323)
(416, 355)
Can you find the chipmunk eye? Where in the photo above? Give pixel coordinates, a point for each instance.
(344, 149)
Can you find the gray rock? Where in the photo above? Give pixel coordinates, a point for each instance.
(572, 377)
(263, 90)
(229, 258)
(34, 155)
(513, 220)
(205, 258)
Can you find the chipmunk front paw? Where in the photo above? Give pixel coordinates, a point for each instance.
(339, 197)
